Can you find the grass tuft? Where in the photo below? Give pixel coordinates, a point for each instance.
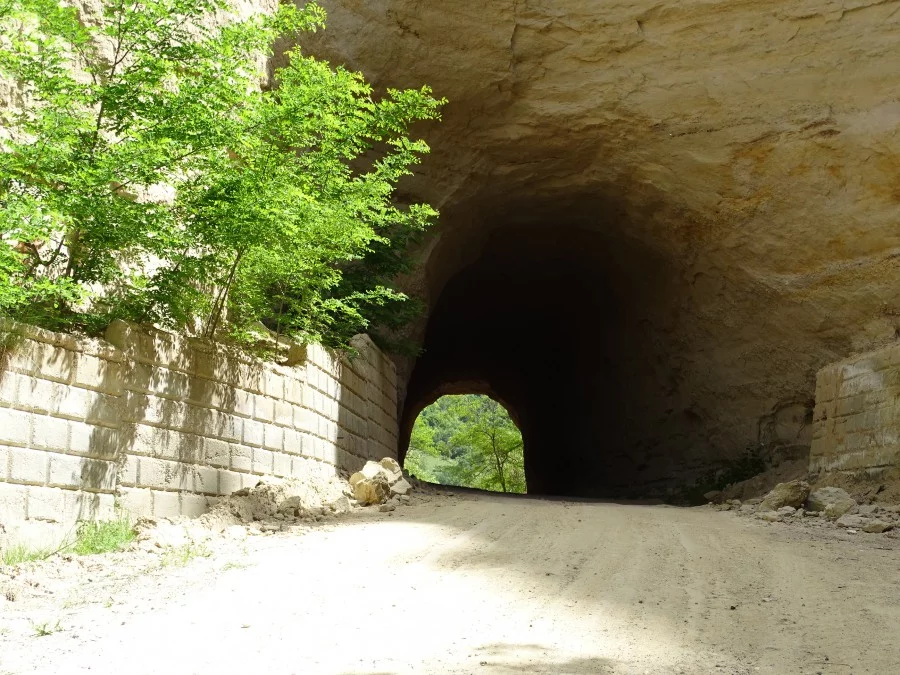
(16, 555)
(180, 556)
(46, 628)
(103, 536)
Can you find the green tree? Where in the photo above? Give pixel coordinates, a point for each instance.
(423, 455)
(158, 182)
(468, 440)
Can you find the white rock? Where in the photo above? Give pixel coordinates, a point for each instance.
(340, 505)
(401, 487)
(372, 490)
(390, 464)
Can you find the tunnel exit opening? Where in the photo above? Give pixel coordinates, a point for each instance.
(467, 440)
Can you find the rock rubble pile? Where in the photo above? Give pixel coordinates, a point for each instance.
(795, 501)
(273, 505)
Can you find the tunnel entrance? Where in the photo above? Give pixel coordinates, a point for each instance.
(567, 326)
(467, 440)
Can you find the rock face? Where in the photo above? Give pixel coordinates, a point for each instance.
(658, 220)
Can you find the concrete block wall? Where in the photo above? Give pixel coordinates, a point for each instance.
(857, 414)
(164, 425)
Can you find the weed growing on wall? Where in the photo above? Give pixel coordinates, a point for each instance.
(157, 182)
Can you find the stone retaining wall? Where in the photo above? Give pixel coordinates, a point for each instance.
(163, 425)
(857, 414)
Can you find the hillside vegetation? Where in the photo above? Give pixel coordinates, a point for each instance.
(470, 441)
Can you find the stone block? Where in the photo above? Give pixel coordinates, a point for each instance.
(166, 504)
(93, 441)
(229, 481)
(137, 502)
(24, 357)
(9, 386)
(28, 466)
(134, 407)
(13, 503)
(301, 467)
(105, 410)
(284, 413)
(263, 408)
(55, 363)
(165, 413)
(182, 447)
(141, 439)
(241, 457)
(38, 395)
(293, 390)
(206, 480)
(293, 442)
(95, 373)
(161, 473)
(273, 384)
(170, 384)
(281, 465)
(304, 419)
(254, 433)
(49, 504)
(128, 472)
(75, 403)
(330, 454)
(216, 453)
(273, 437)
(263, 461)
(227, 427)
(15, 426)
(240, 403)
(50, 433)
(193, 505)
(65, 470)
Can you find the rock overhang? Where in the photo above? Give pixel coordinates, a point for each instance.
(726, 177)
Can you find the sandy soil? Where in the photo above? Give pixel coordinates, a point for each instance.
(476, 584)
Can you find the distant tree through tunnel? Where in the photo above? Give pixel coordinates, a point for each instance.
(467, 440)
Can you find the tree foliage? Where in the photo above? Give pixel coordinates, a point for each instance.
(470, 441)
(158, 182)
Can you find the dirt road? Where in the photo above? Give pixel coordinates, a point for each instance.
(484, 584)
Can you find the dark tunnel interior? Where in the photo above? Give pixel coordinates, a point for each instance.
(559, 324)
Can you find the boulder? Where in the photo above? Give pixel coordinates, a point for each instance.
(714, 496)
(839, 508)
(340, 505)
(792, 493)
(371, 490)
(877, 526)
(819, 499)
(770, 516)
(390, 464)
(852, 522)
(401, 487)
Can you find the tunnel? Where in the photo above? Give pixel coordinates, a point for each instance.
(554, 312)
(657, 222)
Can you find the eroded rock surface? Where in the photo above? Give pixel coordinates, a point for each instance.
(694, 203)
